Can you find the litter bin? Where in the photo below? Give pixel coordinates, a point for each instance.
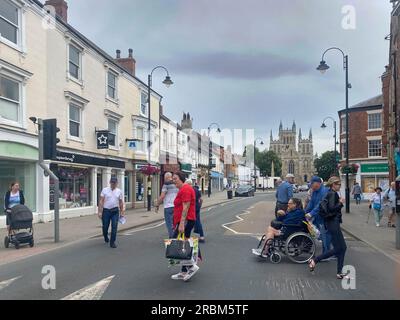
(229, 194)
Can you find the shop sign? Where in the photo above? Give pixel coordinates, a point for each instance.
(102, 139)
(77, 158)
(374, 167)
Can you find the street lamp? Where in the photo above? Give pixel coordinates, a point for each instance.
(168, 82)
(323, 126)
(210, 155)
(322, 68)
(255, 174)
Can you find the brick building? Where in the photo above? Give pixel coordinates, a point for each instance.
(368, 143)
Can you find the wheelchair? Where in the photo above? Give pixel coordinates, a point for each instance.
(298, 246)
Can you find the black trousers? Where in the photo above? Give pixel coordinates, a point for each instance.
(338, 243)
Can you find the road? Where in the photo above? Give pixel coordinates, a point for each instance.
(137, 269)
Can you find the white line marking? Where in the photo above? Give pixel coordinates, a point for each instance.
(240, 219)
(209, 209)
(6, 283)
(92, 292)
(143, 229)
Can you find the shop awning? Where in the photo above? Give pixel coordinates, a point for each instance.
(186, 167)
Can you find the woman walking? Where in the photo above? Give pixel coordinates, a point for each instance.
(184, 219)
(332, 223)
(376, 202)
(13, 197)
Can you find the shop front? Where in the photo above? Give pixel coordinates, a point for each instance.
(142, 182)
(374, 175)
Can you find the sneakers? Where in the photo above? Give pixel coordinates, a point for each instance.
(178, 276)
(377, 225)
(257, 252)
(191, 272)
(113, 245)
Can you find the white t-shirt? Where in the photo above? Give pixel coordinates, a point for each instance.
(170, 194)
(111, 197)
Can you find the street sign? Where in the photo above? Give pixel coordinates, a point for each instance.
(132, 145)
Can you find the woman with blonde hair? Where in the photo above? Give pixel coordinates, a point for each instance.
(330, 208)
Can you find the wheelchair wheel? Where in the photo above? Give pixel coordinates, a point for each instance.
(300, 247)
(275, 257)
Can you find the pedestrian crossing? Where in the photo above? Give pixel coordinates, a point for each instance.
(94, 291)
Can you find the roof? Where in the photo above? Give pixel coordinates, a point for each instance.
(94, 46)
(372, 103)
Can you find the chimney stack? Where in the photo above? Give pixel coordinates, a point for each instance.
(127, 63)
(61, 8)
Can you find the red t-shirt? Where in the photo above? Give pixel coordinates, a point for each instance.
(185, 194)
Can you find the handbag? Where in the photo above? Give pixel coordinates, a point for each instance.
(377, 206)
(179, 248)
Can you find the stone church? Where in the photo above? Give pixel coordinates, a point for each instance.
(297, 161)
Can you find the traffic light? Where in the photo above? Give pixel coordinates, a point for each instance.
(50, 139)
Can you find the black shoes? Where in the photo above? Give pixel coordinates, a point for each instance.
(106, 240)
(113, 245)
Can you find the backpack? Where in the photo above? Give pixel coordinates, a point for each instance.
(323, 209)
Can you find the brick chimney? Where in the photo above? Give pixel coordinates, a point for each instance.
(61, 8)
(127, 63)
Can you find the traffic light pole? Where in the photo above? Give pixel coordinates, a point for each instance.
(48, 172)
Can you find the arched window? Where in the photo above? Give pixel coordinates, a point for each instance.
(291, 166)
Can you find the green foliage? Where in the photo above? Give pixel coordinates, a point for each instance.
(325, 164)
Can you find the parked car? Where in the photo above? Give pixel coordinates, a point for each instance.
(303, 188)
(295, 188)
(244, 191)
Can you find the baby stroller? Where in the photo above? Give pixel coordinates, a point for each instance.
(19, 217)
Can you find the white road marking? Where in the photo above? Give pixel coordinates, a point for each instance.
(143, 229)
(209, 209)
(239, 219)
(6, 283)
(92, 292)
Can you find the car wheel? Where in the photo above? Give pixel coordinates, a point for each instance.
(31, 243)
(6, 242)
(16, 244)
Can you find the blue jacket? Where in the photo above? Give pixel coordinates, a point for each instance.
(284, 192)
(293, 217)
(313, 205)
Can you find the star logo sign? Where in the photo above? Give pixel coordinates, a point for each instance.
(102, 139)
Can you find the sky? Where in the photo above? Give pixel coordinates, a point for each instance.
(247, 64)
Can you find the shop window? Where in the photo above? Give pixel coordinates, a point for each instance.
(139, 186)
(127, 191)
(75, 186)
(25, 174)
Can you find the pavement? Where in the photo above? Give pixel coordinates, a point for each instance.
(74, 230)
(138, 270)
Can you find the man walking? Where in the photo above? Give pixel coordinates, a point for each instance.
(319, 191)
(284, 193)
(167, 197)
(110, 206)
(357, 192)
(390, 194)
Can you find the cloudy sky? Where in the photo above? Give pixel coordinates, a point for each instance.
(246, 64)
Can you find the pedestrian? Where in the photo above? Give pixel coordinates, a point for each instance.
(319, 191)
(357, 192)
(13, 197)
(198, 227)
(376, 203)
(308, 197)
(184, 219)
(111, 208)
(390, 195)
(167, 197)
(284, 193)
(332, 221)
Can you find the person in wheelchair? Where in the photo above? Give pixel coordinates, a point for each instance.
(286, 224)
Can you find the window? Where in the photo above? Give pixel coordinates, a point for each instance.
(75, 62)
(74, 121)
(9, 99)
(375, 148)
(343, 125)
(165, 139)
(171, 141)
(140, 137)
(374, 121)
(112, 134)
(344, 153)
(112, 85)
(143, 103)
(291, 167)
(9, 21)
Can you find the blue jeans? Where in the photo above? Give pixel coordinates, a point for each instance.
(325, 237)
(198, 227)
(110, 215)
(169, 216)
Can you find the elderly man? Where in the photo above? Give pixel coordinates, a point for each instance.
(168, 194)
(318, 193)
(283, 193)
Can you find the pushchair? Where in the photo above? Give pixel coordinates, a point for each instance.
(19, 217)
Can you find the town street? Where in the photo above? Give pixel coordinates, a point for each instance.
(137, 269)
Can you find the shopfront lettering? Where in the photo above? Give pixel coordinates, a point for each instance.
(68, 159)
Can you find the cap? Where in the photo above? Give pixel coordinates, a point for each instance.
(113, 180)
(315, 179)
(289, 175)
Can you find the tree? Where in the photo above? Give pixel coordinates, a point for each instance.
(263, 160)
(325, 165)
